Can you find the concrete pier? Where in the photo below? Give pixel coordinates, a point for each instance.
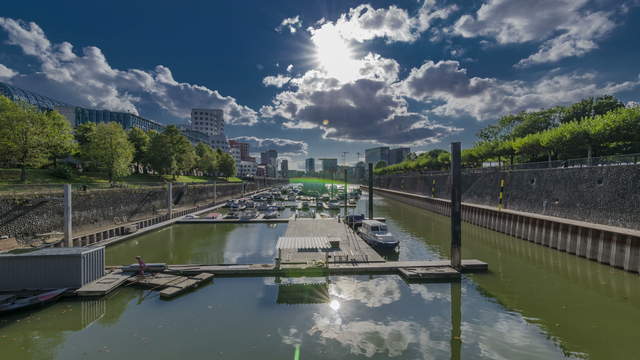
(614, 246)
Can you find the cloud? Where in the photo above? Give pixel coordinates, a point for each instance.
(6, 73)
(455, 93)
(357, 111)
(277, 81)
(292, 23)
(87, 79)
(282, 146)
(290, 68)
(394, 24)
(564, 26)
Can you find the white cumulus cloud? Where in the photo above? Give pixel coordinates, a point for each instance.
(6, 73)
(292, 24)
(566, 28)
(87, 79)
(282, 146)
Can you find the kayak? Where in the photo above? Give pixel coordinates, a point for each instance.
(14, 303)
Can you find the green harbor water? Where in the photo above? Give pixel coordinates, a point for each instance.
(535, 303)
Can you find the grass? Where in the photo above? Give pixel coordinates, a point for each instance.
(314, 180)
(45, 176)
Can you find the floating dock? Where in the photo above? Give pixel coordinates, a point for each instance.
(170, 285)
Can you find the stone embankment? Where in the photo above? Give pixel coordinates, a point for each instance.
(24, 215)
(589, 212)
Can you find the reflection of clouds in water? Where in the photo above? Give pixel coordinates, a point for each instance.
(431, 293)
(291, 337)
(372, 293)
(507, 336)
(250, 244)
(293, 280)
(370, 337)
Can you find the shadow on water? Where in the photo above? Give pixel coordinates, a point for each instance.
(585, 306)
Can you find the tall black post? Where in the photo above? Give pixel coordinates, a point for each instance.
(456, 199)
(346, 194)
(456, 320)
(370, 190)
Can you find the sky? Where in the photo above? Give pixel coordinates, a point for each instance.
(324, 78)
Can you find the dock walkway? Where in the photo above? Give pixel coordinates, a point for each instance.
(352, 248)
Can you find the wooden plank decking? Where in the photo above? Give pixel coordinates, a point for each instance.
(352, 247)
(104, 285)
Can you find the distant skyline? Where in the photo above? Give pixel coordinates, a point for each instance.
(316, 79)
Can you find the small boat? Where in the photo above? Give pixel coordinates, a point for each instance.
(9, 303)
(375, 233)
(334, 205)
(248, 215)
(271, 214)
(231, 216)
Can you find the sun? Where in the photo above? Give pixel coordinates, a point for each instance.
(334, 55)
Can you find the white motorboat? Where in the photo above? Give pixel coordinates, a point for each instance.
(375, 233)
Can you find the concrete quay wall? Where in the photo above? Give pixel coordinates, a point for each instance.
(24, 215)
(614, 246)
(608, 195)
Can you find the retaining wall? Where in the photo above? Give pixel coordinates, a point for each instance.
(24, 215)
(608, 195)
(617, 247)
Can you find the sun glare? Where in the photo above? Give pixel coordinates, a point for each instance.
(335, 55)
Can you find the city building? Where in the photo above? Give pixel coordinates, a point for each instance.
(208, 121)
(376, 154)
(329, 165)
(269, 157)
(284, 168)
(40, 101)
(235, 153)
(244, 149)
(247, 169)
(398, 155)
(360, 170)
(78, 115)
(261, 170)
(310, 166)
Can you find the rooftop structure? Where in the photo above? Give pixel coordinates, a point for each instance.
(30, 97)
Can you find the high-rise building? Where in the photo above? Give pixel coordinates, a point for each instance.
(208, 121)
(235, 153)
(398, 155)
(329, 165)
(247, 169)
(310, 165)
(376, 154)
(284, 167)
(244, 149)
(269, 157)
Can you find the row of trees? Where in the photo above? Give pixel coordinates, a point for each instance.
(591, 127)
(33, 138)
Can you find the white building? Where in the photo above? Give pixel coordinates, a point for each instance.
(208, 121)
(235, 152)
(247, 168)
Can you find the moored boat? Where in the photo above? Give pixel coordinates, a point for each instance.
(11, 303)
(376, 234)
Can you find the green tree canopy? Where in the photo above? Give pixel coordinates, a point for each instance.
(171, 152)
(29, 137)
(140, 141)
(110, 149)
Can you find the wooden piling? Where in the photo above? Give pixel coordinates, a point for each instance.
(456, 202)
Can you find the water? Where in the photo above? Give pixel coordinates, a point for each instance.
(536, 303)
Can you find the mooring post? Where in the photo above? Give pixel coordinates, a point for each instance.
(68, 232)
(456, 198)
(170, 200)
(346, 195)
(243, 189)
(215, 192)
(370, 190)
(456, 320)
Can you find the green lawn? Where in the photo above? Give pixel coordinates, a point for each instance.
(313, 180)
(45, 176)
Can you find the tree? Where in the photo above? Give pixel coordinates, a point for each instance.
(171, 152)
(380, 164)
(227, 164)
(140, 141)
(207, 159)
(29, 137)
(109, 147)
(82, 135)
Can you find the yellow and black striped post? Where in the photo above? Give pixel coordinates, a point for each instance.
(433, 188)
(501, 200)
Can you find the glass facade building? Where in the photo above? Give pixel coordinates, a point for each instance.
(40, 101)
